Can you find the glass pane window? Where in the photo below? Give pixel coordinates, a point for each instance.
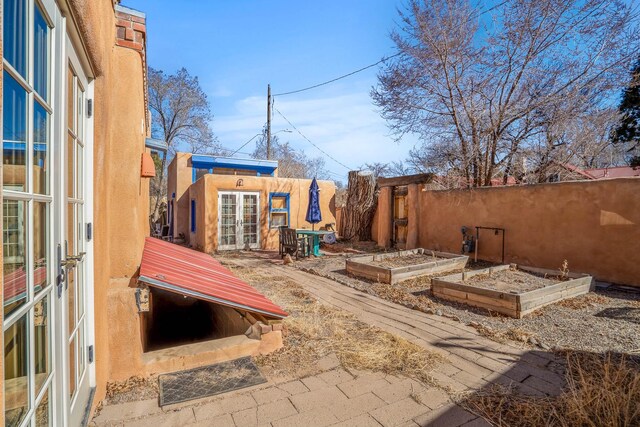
(40, 149)
(14, 244)
(14, 36)
(14, 135)
(79, 112)
(42, 339)
(278, 210)
(40, 246)
(72, 368)
(70, 98)
(43, 411)
(40, 54)
(16, 372)
(70, 166)
(201, 172)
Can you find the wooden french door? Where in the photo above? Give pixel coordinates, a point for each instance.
(238, 220)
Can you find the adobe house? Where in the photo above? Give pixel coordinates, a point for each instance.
(75, 195)
(220, 203)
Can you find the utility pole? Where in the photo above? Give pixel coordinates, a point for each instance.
(268, 122)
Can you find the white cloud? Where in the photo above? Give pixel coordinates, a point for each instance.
(344, 125)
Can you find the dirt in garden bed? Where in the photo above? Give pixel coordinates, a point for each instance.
(605, 320)
(403, 260)
(511, 280)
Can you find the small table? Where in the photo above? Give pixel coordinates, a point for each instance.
(316, 238)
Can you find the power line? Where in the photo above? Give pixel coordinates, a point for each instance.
(319, 149)
(383, 59)
(339, 78)
(244, 145)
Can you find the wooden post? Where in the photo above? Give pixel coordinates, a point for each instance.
(268, 122)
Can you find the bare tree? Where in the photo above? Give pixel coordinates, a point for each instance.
(481, 87)
(181, 116)
(379, 170)
(291, 163)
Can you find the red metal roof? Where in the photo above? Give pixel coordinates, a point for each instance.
(614, 172)
(185, 271)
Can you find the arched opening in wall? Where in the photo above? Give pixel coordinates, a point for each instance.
(175, 320)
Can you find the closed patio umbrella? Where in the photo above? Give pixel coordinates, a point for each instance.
(314, 215)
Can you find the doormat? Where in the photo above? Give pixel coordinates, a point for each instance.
(208, 381)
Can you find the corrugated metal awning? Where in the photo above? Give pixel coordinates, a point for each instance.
(187, 272)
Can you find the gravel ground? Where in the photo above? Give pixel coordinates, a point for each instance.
(605, 320)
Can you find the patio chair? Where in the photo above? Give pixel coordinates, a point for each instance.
(280, 240)
(291, 244)
(165, 234)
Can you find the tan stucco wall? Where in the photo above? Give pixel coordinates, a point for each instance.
(121, 196)
(594, 225)
(205, 192)
(381, 226)
(178, 181)
(125, 338)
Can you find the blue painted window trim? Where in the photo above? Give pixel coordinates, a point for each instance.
(286, 210)
(193, 173)
(193, 215)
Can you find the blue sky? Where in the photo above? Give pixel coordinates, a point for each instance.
(237, 47)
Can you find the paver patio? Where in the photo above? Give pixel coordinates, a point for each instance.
(340, 397)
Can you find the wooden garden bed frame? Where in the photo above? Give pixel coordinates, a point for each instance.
(360, 266)
(512, 304)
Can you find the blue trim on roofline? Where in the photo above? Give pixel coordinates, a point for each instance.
(210, 162)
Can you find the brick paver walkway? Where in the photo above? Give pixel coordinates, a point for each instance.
(338, 397)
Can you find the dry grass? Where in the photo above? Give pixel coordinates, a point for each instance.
(132, 389)
(401, 296)
(601, 390)
(313, 331)
(583, 301)
(511, 334)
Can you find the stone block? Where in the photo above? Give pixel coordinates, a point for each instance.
(294, 387)
(328, 396)
(319, 417)
(399, 412)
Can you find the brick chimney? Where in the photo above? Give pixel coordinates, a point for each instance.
(131, 28)
(131, 33)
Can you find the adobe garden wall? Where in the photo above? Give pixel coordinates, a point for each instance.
(594, 225)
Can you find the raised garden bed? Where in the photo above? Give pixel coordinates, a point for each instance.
(510, 289)
(394, 267)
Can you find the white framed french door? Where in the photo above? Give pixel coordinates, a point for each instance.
(73, 241)
(29, 145)
(47, 280)
(238, 220)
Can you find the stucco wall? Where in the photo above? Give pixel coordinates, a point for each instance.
(205, 192)
(178, 181)
(594, 225)
(121, 196)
